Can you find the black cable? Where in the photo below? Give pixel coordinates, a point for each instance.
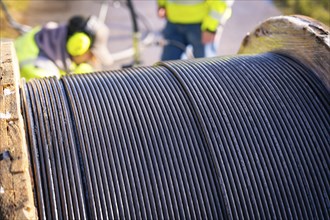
(242, 137)
(13, 23)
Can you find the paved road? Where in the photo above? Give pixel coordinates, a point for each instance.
(246, 16)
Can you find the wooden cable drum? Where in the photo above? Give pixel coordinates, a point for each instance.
(235, 137)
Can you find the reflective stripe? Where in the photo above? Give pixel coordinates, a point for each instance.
(186, 2)
(27, 62)
(215, 14)
(31, 72)
(207, 12)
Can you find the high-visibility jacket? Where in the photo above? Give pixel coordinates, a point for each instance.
(206, 12)
(46, 56)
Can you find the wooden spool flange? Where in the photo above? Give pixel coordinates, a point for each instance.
(300, 37)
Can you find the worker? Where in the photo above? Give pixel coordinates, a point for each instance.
(59, 49)
(190, 23)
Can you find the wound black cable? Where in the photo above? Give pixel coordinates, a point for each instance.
(304, 115)
(282, 194)
(175, 104)
(219, 138)
(260, 125)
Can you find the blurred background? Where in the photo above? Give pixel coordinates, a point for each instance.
(246, 15)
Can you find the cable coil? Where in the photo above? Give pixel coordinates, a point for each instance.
(243, 137)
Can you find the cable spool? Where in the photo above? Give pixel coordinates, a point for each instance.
(240, 137)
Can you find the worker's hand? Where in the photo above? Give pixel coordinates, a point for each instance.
(161, 12)
(207, 37)
(88, 56)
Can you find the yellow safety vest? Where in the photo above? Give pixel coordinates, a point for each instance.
(206, 12)
(27, 53)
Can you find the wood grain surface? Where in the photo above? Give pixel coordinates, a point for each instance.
(16, 197)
